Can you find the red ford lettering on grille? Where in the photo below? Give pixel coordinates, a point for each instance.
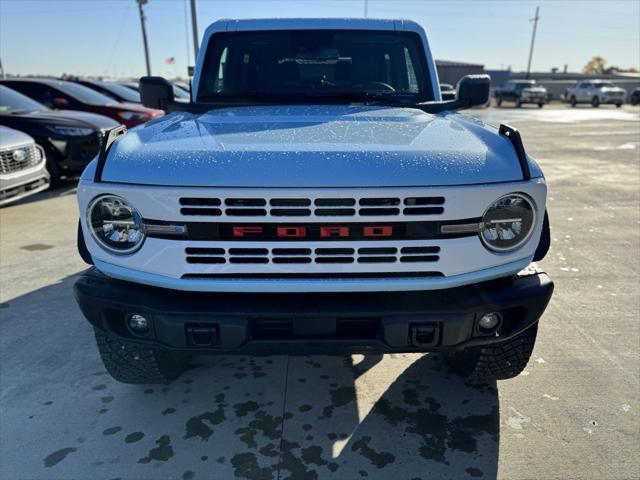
(246, 231)
(378, 231)
(295, 232)
(315, 231)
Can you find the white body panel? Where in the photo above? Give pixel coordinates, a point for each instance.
(461, 261)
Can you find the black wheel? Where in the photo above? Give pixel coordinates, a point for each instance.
(618, 105)
(595, 102)
(499, 102)
(573, 101)
(130, 363)
(495, 362)
(635, 100)
(540, 105)
(518, 103)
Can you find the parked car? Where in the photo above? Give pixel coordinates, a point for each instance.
(521, 92)
(635, 96)
(447, 91)
(595, 92)
(116, 91)
(349, 215)
(23, 170)
(69, 139)
(179, 93)
(64, 95)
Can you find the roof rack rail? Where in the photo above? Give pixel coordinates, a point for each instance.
(516, 140)
(109, 137)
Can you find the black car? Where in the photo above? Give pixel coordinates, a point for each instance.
(116, 91)
(635, 96)
(70, 139)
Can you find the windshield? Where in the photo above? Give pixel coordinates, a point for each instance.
(125, 93)
(316, 63)
(604, 85)
(14, 102)
(525, 85)
(83, 94)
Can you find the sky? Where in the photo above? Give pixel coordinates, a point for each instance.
(103, 37)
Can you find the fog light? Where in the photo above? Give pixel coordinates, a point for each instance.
(489, 321)
(138, 323)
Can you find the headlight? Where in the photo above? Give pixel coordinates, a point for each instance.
(71, 131)
(508, 222)
(133, 115)
(115, 224)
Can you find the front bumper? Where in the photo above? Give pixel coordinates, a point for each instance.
(23, 183)
(290, 323)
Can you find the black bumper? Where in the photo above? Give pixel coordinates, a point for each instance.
(290, 323)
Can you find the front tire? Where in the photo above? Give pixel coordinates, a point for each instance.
(540, 105)
(618, 105)
(518, 103)
(499, 361)
(130, 363)
(499, 102)
(595, 102)
(573, 101)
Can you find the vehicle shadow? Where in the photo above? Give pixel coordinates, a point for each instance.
(299, 418)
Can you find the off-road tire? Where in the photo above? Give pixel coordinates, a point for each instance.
(130, 363)
(494, 362)
(595, 102)
(573, 101)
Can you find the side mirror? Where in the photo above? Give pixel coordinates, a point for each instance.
(156, 92)
(60, 102)
(473, 90)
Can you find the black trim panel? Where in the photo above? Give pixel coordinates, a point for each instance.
(223, 231)
(516, 140)
(108, 139)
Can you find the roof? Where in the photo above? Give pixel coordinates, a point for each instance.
(449, 63)
(312, 23)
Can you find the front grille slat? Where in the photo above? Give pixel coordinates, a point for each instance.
(323, 256)
(308, 207)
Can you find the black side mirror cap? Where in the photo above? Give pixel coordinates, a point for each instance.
(473, 90)
(156, 92)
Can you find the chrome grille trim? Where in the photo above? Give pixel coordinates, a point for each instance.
(33, 157)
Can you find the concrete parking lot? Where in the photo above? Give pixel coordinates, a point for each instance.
(572, 414)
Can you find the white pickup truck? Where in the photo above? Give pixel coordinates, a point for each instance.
(315, 196)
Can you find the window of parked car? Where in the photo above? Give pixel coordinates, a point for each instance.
(12, 102)
(83, 94)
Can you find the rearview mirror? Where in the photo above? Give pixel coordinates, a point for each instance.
(473, 90)
(156, 92)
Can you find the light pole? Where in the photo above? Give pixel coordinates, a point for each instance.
(144, 35)
(533, 39)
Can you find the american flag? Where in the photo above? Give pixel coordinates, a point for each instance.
(170, 60)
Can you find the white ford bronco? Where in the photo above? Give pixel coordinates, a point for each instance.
(316, 195)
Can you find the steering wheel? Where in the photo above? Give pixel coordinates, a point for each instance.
(384, 85)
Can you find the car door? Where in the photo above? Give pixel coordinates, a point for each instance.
(583, 92)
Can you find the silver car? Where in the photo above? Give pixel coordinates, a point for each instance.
(23, 169)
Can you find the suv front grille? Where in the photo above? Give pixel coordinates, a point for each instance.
(306, 207)
(11, 161)
(412, 254)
